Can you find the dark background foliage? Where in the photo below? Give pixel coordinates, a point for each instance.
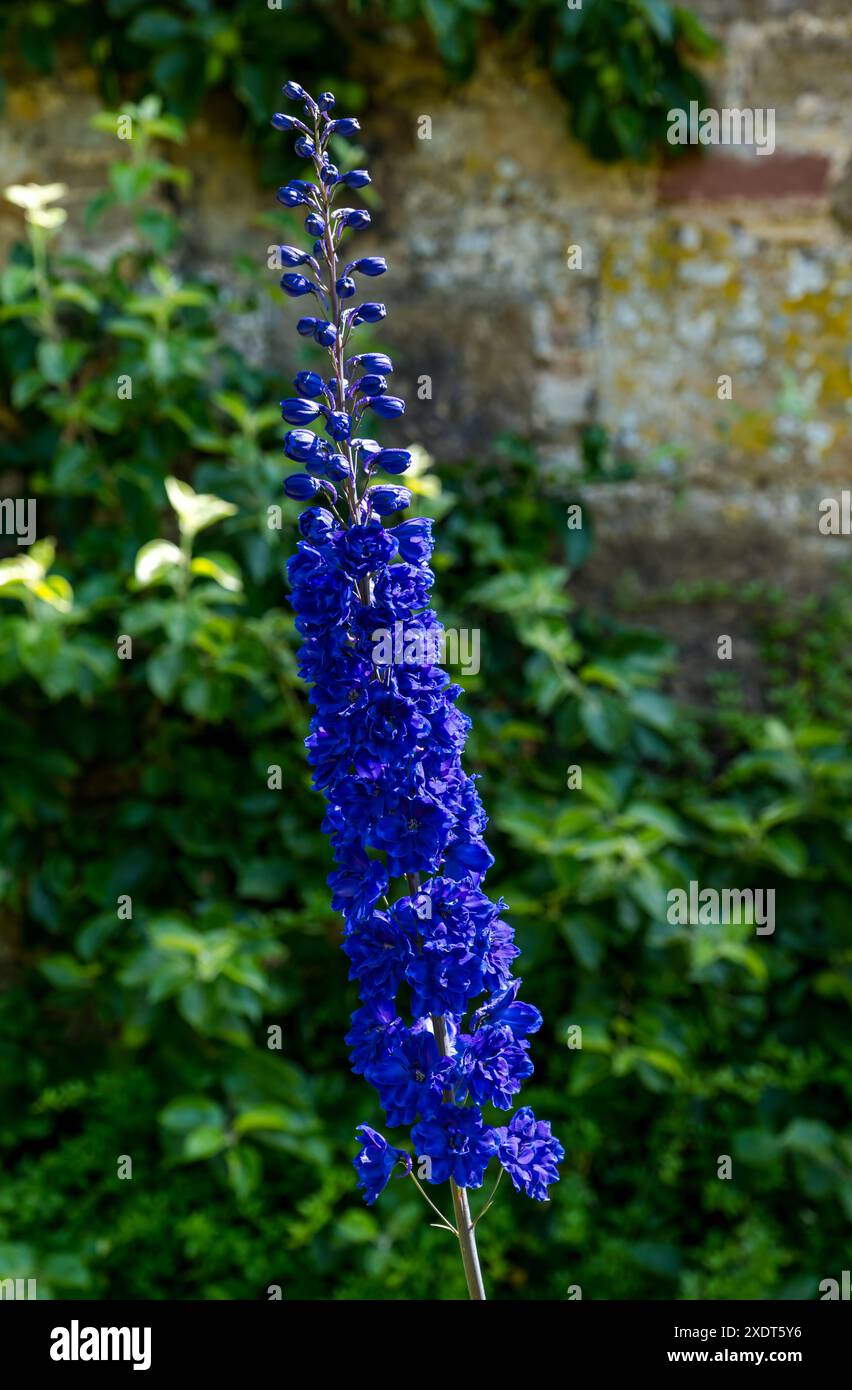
(147, 1035)
(622, 63)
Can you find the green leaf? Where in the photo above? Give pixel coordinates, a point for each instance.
(186, 1113)
(204, 1142)
(164, 670)
(66, 972)
(156, 28)
(70, 293)
(157, 563)
(245, 1169)
(195, 511)
(266, 1117)
(660, 17)
(606, 721)
(221, 569)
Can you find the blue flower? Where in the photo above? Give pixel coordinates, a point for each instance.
(412, 837)
(385, 500)
(386, 743)
(458, 1144)
(505, 1007)
(366, 548)
(414, 540)
(373, 1029)
(491, 1065)
(379, 950)
(357, 887)
(529, 1153)
(375, 1161)
(409, 1075)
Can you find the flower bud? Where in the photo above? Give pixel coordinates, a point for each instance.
(356, 218)
(298, 411)
(309, 384)
(316, 465)
(296, 285)
(346, 287)
(356, 178)
(388, 407)
(337, 468)
(305, 147)
(307, 327)
(339, 424)
(316, 522)
(369, 313)
(293, 91)
(291, 255)
(295, 192)
(346, 125)
(370, 265)
(325, 334)
(282, 122)
(368, 447)
(300, 487)
(325, 101)
(385, 500)
(314, 224)
(302, 444)
(374, 362)
(330, 174)
(392, 460)
(372, 385)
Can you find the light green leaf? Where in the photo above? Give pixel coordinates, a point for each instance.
(221, 569)
(156, 562)
(196, 510)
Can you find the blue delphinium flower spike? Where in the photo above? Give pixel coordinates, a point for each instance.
(439, 1031)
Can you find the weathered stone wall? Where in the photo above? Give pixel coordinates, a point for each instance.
(729, 265)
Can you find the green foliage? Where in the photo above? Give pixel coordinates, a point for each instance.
(162, 892)
(621, 64)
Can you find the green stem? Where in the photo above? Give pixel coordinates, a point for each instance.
(461, 1206)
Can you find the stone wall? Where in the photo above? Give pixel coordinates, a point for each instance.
(728, 265)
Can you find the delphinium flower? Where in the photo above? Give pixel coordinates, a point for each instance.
(439, 1031)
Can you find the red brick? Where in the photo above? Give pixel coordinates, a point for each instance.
(720, 176)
